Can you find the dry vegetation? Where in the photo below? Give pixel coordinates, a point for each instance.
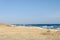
(28, 33)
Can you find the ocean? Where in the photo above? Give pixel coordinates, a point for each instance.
(41, 25)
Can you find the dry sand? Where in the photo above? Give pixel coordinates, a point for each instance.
(28, 33)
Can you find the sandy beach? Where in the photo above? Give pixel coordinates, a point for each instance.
(28, 33)
(29, 19)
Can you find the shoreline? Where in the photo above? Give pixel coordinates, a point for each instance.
(28, 33)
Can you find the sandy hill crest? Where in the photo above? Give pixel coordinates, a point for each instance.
(4, 25)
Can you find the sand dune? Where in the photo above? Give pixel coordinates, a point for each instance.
(28, 33)
(5, 25)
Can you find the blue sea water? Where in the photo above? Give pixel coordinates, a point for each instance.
(41, 25)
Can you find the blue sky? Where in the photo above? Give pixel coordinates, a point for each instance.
(30, 11)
